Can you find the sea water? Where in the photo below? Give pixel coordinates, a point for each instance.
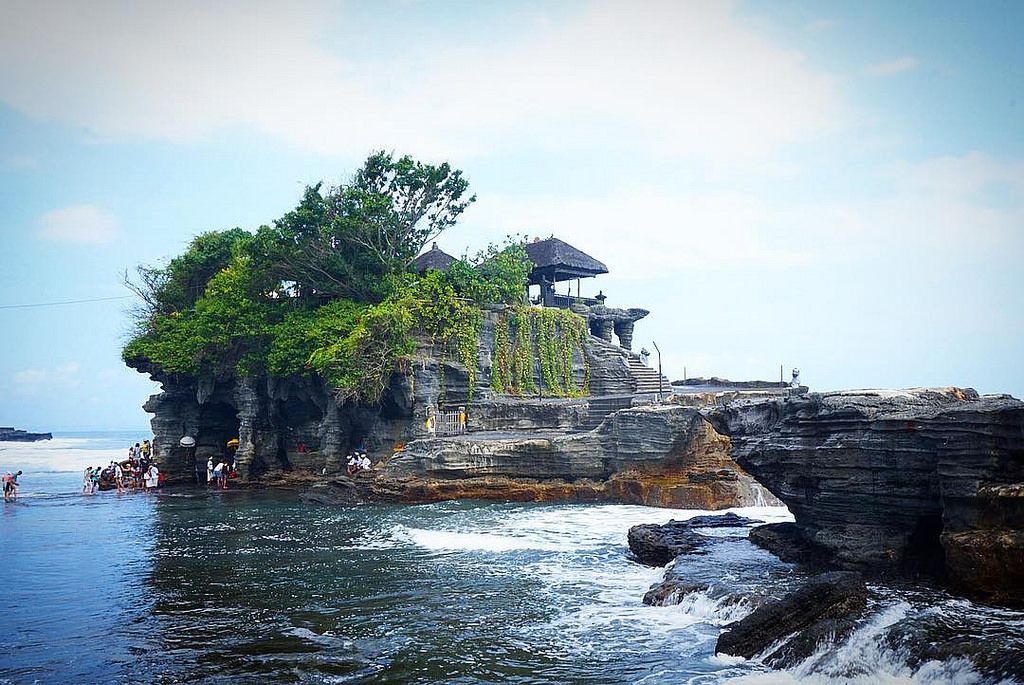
(255, 586)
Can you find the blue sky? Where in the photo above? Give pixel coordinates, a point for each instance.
(838, 187)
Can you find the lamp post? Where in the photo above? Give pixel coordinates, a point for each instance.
(658, 350)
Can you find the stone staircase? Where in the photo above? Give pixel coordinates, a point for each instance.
(614, 387)
(647, 379)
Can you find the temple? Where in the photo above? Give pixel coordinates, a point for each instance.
(556, 262)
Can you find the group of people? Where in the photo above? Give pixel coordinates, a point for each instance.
(10, 481)
(357, 461)
(137, 472)
(217, 474)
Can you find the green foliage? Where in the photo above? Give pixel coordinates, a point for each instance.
(449, 319)
(497, 274)
(327, 289)
(225, 332)
(303, 331)
(501, 368)
(551, 336)
(359, 365)
(177, 286)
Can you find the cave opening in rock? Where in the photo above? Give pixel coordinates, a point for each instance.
(218, 423)
(301, 419)
(925, 554)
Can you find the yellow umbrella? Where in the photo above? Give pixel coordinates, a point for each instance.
(233, 442)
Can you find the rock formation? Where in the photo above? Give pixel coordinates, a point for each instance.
(652, 455)
(591, 448)
(824, 608)
(915, 481)
(657, 544)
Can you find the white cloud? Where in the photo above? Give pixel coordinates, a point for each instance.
(891, 67)
(39, 381)
(78, 224)
(677, 78)
(939, 211)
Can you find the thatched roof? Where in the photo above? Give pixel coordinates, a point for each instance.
(554, 256)
(434, 258)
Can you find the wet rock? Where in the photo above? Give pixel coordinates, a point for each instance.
(785, 541)
(656, 545)
(671, 591)
(916, 482)
(655, 455)
(948, 633)
(336, 491)
(826, 606)
(726, 520)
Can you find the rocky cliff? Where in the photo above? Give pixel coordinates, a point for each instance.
(514, 448)
(654, 455)
(916, 481)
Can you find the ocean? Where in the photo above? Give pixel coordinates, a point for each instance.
(256, 586)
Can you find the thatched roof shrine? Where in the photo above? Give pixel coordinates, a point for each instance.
(434, 258)
(556, 260)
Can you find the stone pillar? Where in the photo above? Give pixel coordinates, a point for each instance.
(603, 329)
(624, 331)
(332, 437)
(175, 415)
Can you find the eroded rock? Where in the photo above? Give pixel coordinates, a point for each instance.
(826, 607)
(657, 544)
(924, 481)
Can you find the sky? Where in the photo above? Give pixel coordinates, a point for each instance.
(837, 187)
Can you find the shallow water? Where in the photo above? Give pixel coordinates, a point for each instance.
(239, 586)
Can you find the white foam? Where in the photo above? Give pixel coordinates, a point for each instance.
(864, 659)
(443, 540)
(58, 454)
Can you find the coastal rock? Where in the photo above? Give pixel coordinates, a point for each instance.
(671, 591)
(652, 455)
(826, 607)
(336, 491)
(657, 544)
(9, 434)
(925, 481)
(785, 541)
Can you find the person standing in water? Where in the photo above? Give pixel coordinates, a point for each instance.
(87, 481)
(152, 478)
(119, 477)
(11, 486)
(209, 471)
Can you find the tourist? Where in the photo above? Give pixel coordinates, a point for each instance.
(364, 463)
(353, 464)
(209, 471)
(118, 477)
(220, 474)
(95, 480)
(146, 449)
(152, 477)
(11, 486)
(87, 481)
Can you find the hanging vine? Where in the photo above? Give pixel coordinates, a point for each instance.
(549, 336)
(501, 369)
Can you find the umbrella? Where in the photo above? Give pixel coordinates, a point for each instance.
(233, 442)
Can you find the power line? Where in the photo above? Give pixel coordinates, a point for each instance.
(56, 304)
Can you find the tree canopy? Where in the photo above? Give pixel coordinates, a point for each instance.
(328, 288)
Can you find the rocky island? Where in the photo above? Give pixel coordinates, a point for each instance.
(487, 377)
(10, 434)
